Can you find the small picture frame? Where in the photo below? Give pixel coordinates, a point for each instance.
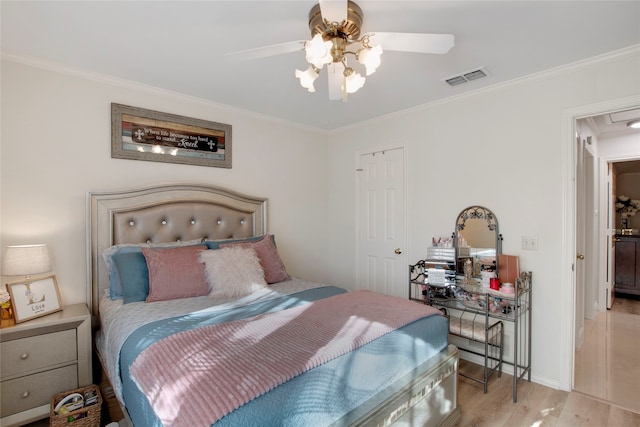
(34, 298)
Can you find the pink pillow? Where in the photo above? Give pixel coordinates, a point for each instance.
(274, 270)
(175, 273)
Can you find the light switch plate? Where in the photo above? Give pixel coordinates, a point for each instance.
(529, 243)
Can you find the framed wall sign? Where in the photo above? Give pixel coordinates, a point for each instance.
(140, 134)
(34, 298)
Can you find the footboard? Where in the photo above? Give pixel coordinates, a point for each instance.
(429, 400)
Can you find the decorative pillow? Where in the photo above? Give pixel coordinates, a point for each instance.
(132, 269)
(233, 271)
(175, 273)
(115, 283)
(274, 270)
(217, 244)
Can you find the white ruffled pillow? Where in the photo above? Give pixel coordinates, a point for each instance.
(233, 271)
(274, 270)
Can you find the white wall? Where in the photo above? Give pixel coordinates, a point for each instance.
(620, 148)
(500, 148)
(56, 139)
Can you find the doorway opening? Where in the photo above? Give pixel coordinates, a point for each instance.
(600, 334)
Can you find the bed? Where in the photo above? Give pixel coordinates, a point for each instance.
(267, 348)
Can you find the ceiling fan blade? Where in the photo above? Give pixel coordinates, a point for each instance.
(414, 42)
(335, 77)
(265, 51)
(334, 10)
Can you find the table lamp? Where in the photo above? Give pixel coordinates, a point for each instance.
(25, 260)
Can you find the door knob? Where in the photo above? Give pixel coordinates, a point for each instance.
(398, 251)
(580, 256)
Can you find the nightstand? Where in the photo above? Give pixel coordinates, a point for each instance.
(42, 357)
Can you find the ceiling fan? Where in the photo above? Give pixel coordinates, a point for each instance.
(335, 30)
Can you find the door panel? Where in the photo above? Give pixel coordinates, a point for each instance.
(381, 222)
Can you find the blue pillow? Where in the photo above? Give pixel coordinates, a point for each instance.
(132, 274)
(215, 244)
(132, 269)
(115, 282)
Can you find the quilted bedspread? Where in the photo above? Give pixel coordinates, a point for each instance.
(286, 344)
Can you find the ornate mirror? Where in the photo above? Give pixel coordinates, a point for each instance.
(477, 238)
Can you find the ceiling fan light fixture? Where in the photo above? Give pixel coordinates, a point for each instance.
(307, 77)
(635, 124)
(335, 27)
(332, 36)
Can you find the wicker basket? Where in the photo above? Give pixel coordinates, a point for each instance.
(89, 416)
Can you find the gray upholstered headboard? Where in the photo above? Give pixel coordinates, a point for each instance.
(161, 214)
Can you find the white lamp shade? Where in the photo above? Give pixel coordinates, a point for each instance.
(307, 78)
(370, 58)
(24, 260)
(353, 82)
(318, 51)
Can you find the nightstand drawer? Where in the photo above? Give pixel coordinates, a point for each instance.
(36, 390)
(31, 354)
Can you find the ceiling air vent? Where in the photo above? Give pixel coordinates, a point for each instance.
(459, 79)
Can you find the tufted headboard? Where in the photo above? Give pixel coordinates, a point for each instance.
(165, 214)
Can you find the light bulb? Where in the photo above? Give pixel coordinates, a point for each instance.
(635, 124)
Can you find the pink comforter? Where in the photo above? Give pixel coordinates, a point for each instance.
(195, 377)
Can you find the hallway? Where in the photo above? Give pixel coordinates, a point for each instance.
(607, 366)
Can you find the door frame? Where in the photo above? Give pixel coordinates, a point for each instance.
(592, 233)
(580, 268)
(611, 227)
(607, 224)
(568, 244)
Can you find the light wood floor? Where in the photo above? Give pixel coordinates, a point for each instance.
(607, 365)
(606, 369)
(537, 406)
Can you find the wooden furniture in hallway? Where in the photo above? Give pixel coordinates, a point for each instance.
(627, 264)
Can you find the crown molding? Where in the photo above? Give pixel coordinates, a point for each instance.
(133, 85)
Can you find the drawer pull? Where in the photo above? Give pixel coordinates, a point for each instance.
(26, 394)
(24, 356)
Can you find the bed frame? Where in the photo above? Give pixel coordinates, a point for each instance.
(169, 213)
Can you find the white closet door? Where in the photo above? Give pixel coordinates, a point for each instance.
(382, 262)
